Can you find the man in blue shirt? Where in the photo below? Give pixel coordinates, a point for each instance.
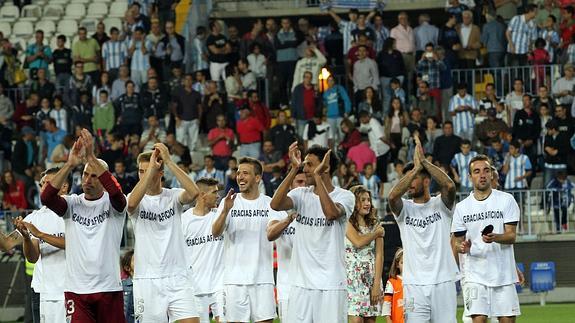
(51, 138)
(38, 55)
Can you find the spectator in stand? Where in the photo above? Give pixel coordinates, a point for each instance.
(361, 154)
(460, 166)
(317, 133)
(51, 138)
(234, 89)
(365, 74)
(60, 113)
(221, 139)
(271, 159)
(563, 87)
(257, 61)
(561, 199)
(170, 49)
(490, 128)
(139, 52)
(395, 122)
(556, 151)
(259, 110)
(119, 85)
(425, 33)
(456, 9)
(432, 132)
(312, 62)
(567, 26)
(446, 146)
(100, 35)
(381, 33)
(304, 102)
(62, 58)
(514, 100)
(282, 134)
(250, 131)
(346, 27)
(42, 86)
(232, 47)
(490, 99)
(25, 153)
(38, 55)
(362, 40)
(60, 153)
(248, 78)
(188, 104)
(87, 51)
(449, 40)
(200, 82)
(546, 9)
(470, 37)
(255, 35)
(114, 53)
(199, 51)
(390, 64)
(102, 84)
(376, 135)
(285, 43)
(14, 192)
(493, 38)
(429, 70)
(551, 36)
(213, 105)
(153, 134)
(371, 103)
(462, 108)
(405, 39)
(153, 101)
(130, 115)
(216, 43)
(115, 151)
(25, 111)
(424, 102)
(156, 34)
(81, 113)
(338, 106)
(126, 180)
(104, 116)
(79, 82)
(543, 97)
(415, 125)
(564, 121)
(363, 28)
(506, 9)
(517, 168)
(209, 171)
(521, 33)
(6, 107)
(527, 129)
(351, 137)
(43, 113)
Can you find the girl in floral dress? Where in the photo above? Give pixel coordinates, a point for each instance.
(364, 259)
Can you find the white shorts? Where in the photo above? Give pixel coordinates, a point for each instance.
(52, 311)
(243, 303)
(213, 302)
(317, 306)
(490, 301)
(430, 303)
(164, 299)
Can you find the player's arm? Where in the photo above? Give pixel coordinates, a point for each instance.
(280, 201)
(376, 289)
(453, 243)
(276, 227)
(220, 222)
(191, 190)
(334, 15)
(141, 187)
(331, 209)
(359, 240)
(507, 237)
(445, 182)
(30, 246)
(399, 189)
(58, 242)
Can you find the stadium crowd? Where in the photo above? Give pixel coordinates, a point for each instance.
(125, 92)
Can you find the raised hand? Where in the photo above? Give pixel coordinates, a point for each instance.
(163, 151)
(88, 142)
(76, 155)
(19, 224)
(323, 167)
(155, 160)
(295, 155)
(31, 228)
(418, 155)
(229, 200)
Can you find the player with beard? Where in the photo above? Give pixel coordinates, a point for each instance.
(282, 232)
(163, 286)
(248, 259)
(43, 244)
(94, 224)
(429, 268)
(317, 269)
(204, 253)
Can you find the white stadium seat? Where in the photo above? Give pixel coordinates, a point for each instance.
(19, 43)
(31, 12)
(118, 9)
(47, 26)
(80, 1)
(90, 24)
(103, 1)
(113, 22)
(97, 10)
(53, 12)
(23, 29)
(75, 10)
(68, 27)
(9, 11)
(5, 28)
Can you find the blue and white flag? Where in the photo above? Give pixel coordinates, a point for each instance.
(353, 4)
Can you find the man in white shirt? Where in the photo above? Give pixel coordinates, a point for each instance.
(204, 253)
(43, 245)
(484, 226)
(429, 269)
(94, 224)
(248, 261)
(282, 231)
(317, 267)
(163, 286)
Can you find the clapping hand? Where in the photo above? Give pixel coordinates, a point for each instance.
(323, 167)
(295, 155)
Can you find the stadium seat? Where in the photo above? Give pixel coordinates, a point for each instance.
(53, 12)
(48, 26)
(542, 276)
(75, 11)
(118, 9)
(80, 1)
(23, 29)
(19, 43)
(97, 10)
(68, 27)
(90, 24)
(9, 11)
(518, 286)
(113, 22)
(31, 12)
(102, 1)
(5, 28)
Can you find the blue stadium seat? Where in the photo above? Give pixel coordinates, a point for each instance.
(542, 276)
(521, 268)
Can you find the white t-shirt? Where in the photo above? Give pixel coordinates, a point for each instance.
(428, 257)
(93, 236)
(248, 254)
(204, 253)
(490, 264)
(48, 279)
(159, 247)
(322, 135)
(318, 256)
(284, 245)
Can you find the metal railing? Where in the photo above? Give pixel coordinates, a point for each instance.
(503, 78)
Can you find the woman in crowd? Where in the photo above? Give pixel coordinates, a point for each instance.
(103, 84)
(351, 137)
(14, 193)
(394, 123)
(371, 103)
(364, 259)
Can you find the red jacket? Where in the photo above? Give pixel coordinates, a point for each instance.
(249, 130)
(15, 195)
(262, 113)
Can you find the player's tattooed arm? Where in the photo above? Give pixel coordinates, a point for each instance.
(280, 201)
(446, 184)
(394, 198)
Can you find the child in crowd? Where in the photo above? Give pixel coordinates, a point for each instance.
(396, 173)
(373, 184)
(396, 90)
(460, 166)
(551, 37)
(104, 118)
(393, 294)
(257, 61)
(127, 264)
(539, 58)
(503, 112)
(200, 82)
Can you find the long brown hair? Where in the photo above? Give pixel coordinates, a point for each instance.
(394, 270)
(371, 218)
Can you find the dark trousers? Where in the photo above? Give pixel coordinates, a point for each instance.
(285, 78)
(381, 163)
(32, 309)
(221, 162)
(560, 217)
(516, 59)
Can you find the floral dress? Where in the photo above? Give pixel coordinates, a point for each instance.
(360, 264)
